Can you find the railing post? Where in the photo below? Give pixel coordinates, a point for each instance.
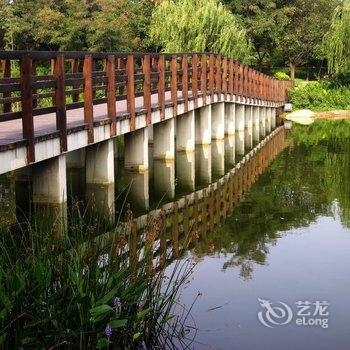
(60, 98)
(230, 78)
(161, 86)
(88, 97)
(218, 76)
(146, 68)
(195, 79)
(6, 69)
(130, 69)
(204, 78)
(27, 106)
(211, 77)
(35, 101)
(173, 83)
(224, 76)
(185, 80)
(236, 79)
(111, 99)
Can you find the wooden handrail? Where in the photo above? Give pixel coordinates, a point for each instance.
(60, 81)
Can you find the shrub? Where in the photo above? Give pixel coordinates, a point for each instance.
(281, 76)
(320, 96)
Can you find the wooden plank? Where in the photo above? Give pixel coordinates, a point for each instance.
(185, 80)
(130, 90)
(195, 79)
(27, 106)
(111, 98)
(147, 104)
(230, 78)
(161, 86)
(88, 97)
(236, 79)
(173, 83)
(60, 98)
(6, 69)
(204, 78)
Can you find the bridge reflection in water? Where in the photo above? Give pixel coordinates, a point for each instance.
(170, 230)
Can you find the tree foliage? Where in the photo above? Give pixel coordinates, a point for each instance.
(337, 41)
(200, 26)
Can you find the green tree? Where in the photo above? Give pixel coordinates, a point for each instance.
(304, 32)
(199, 25)
(337, 41)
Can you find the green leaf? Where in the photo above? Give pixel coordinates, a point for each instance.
(118, 323)
(99, 312)
(136, 336)
(143, 313)
(103, 343)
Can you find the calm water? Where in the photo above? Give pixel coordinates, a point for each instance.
(287, 241)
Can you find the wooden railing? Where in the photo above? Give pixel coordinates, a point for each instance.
(37, 83)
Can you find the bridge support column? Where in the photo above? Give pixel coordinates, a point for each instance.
(256, 126)
(100, 179)
(136, 150)
(185, 132)
(248, 135)
(75, 162)
(185, 171)
(50, 192)
(273, 118)
(203, 125)
(136, 163)
(268, 120)
(203, 164)
(240, 123)
(164, 140)
(218, 158)
(262, 121)
(230, 121)
(230, 150)
(218, 121)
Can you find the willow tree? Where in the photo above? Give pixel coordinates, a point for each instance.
(337, 41)
(201, 26)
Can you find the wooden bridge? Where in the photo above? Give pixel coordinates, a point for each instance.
(54, 103)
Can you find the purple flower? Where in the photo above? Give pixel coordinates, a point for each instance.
(117, 303)
(108, 331)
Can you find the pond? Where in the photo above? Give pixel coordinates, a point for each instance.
(275, 273)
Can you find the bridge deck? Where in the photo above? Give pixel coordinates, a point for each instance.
(11, 131)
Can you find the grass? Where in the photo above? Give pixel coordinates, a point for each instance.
(83, 293)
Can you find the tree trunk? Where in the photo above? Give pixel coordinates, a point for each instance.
(292, 71)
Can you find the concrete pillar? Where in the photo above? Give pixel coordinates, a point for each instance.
(230, 151)
(164, 140)
(218, 158)
(248, 139)
(185, 172)
(185, 132)
(240, 117)
(23, 190)
(203, 164)
(248, 118)
(240, 142)
(230, 119)
(273, 118)
(7, 201)
(262, 121)
(164, 178)
(75, 162)
(100, 179)
(218, 121)
(138, 195)
(136, 150)
(268, 120)
(256, 126)
(150, 133)
(203, 125)
(50, 191)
